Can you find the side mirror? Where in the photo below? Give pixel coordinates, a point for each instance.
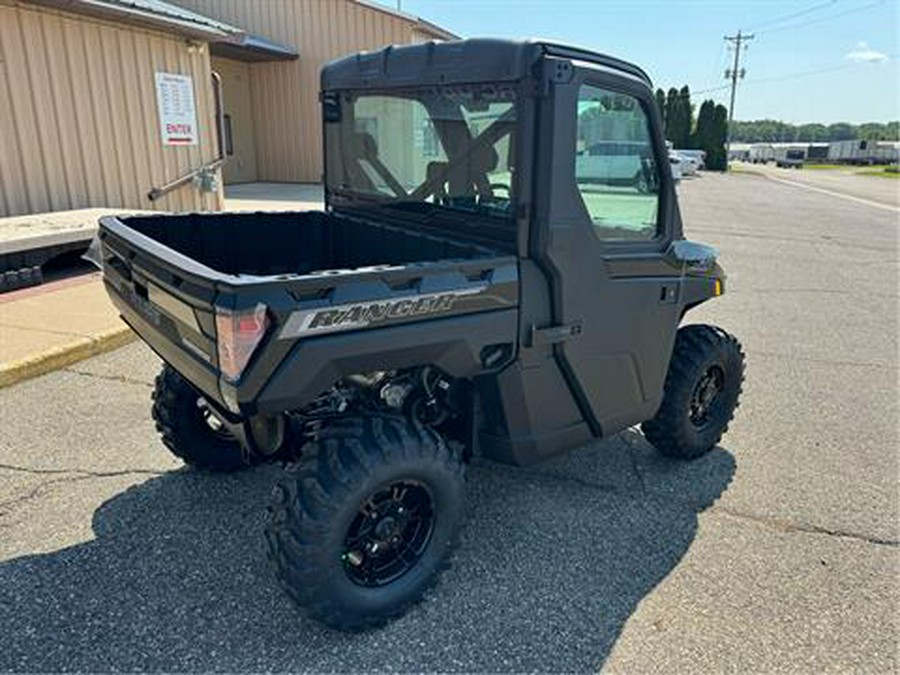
(692, 254)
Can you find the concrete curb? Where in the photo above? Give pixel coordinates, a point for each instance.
(64, 355)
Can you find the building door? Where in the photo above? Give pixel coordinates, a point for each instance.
(239, 132)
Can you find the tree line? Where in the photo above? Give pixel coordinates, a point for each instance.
(775, 131)
(708, 132)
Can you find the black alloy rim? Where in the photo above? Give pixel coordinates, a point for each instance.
(706, 396)
(389, 534)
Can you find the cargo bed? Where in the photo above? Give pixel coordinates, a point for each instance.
(298, 243)
(321, 279)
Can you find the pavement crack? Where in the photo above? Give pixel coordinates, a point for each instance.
(806, 528)
(124, 379)
(7, 506)
(82, 473)
(669, 501)
(65, 476)
(64, 333)
(824, 361)
(815, 291)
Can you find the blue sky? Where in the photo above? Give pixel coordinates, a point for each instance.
(836, 61)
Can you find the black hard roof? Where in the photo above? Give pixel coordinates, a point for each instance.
(456, 62)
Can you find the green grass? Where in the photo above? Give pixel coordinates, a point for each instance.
(738, 167)
(879, 172)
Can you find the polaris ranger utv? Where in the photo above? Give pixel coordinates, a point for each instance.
(471, 289)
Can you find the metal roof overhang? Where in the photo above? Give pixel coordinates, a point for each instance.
(224, 39)
(248, 47)
(148, 14)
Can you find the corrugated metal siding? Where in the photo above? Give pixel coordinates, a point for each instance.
(285, 94)
(78, 114)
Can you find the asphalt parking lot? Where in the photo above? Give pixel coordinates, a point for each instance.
(778, 551)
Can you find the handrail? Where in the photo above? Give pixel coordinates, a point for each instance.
(161, 191)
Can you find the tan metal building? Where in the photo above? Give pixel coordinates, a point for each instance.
(115, 103)
(273, 106)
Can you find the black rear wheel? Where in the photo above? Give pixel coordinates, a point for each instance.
(389, 534)
(190, 429)
(359, 528)
(702, 391)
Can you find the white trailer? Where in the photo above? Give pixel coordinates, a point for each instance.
(761, 153)
(863, 152)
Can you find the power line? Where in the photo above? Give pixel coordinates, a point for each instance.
(805, 73)
(822, 19)
(808, 10)
(711, 89)
(694, 93)
(776, 78)
(719, 64)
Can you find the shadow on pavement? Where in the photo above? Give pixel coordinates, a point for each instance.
(554, 561)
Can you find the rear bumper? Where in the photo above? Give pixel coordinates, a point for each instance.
(199, 373)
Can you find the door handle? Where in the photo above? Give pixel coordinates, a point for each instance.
(668, 294)
(553, 334)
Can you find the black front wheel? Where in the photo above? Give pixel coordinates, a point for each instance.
(702, 391)
(360, 527)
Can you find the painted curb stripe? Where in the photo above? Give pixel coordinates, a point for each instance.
(65, 355)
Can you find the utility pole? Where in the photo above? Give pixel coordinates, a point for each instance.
(736, 72)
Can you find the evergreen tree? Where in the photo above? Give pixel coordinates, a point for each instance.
(661, 104)
(686, 119)
(702, 137)
(673, 114)
(678, 117)
(716, 157)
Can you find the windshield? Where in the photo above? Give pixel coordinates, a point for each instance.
(447, 148)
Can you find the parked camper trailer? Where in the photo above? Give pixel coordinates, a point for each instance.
(761, 153)
(864, 152)
(817, 153)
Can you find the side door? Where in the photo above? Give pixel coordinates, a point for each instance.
(239, 133)
(601, 235)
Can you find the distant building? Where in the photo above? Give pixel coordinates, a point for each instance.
(836, 152)
(864, 152)
(739, 151)
(113, 102)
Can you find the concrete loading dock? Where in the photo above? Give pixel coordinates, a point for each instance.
(144, 104)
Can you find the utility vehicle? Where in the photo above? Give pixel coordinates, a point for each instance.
(470, 289)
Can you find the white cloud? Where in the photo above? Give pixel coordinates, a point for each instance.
(865, 54)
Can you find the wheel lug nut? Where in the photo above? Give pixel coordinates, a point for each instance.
(355, 558)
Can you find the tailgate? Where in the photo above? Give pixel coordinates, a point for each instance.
(166, 298)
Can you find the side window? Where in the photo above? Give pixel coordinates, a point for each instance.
(615, 167)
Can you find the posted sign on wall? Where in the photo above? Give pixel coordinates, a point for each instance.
(177, 112)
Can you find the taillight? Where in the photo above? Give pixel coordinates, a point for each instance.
(238, 334)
